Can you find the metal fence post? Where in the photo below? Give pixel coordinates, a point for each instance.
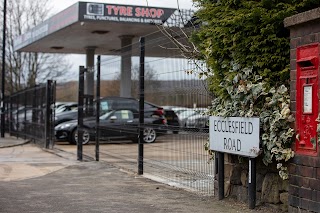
(3, 68)
(80, 113)
(252, 183)
(25, 132)
(47, 115)
(34, 114)
(10, 115)
(221, 175)
(98, 108)
(141, 105)
(17, 120)
(53, 114)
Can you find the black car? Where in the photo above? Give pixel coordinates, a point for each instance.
(150, 109)
(198, 122)
(65, 106)
(114, 102)
(110, 103)
(115, 124)
(65, 116)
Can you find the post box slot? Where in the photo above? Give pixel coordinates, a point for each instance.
(308, 62)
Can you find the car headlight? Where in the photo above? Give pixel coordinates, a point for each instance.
(63, 126)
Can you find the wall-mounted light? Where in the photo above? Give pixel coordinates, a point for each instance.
(57, 48)
(100, 32)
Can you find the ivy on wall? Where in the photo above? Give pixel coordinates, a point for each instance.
(251, 97)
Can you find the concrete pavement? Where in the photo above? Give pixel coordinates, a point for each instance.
(37, 180)
(10, 141)
(19, 160)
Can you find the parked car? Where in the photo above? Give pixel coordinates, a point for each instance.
(115, 124)
(20, 117)
(176, 109)
(186, 114)
(172, 118)
(110, 103)
(150, 109)
(198, 122)
(59, 104)
(65, 106)
(65, 116)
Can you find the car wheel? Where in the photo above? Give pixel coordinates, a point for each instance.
(149, 135)
(85, 137)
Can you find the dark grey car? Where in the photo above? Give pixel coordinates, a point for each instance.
(115, 124)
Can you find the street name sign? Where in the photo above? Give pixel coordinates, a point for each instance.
(235, 135)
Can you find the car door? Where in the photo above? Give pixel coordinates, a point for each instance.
(120, 123)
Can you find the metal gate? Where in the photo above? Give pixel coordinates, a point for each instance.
(29, 114)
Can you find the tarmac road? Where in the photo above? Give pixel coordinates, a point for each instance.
(35, 180)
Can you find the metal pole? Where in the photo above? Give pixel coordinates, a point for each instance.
(252, 183)
(98, 108)
(216, 160)
(3, 66)
(221, 175)
(10, 114)
(80, 113)
(48, 114)
(52, 114)
(141, 105)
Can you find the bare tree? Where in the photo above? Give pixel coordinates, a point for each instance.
(28, 69)
(150, 78)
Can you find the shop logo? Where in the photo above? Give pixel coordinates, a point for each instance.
(95, 9)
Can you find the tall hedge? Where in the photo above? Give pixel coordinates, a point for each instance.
(247, 50)
(247, 34)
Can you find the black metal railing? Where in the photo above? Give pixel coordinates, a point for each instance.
(29, 114)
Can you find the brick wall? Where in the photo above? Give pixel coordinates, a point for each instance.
(304, 180)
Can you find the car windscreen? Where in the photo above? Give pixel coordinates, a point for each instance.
(107, 105)
(106, 115)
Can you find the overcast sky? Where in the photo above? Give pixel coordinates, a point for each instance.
(79, 60)
(59, 5)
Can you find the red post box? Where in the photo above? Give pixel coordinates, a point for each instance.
(307, 99)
